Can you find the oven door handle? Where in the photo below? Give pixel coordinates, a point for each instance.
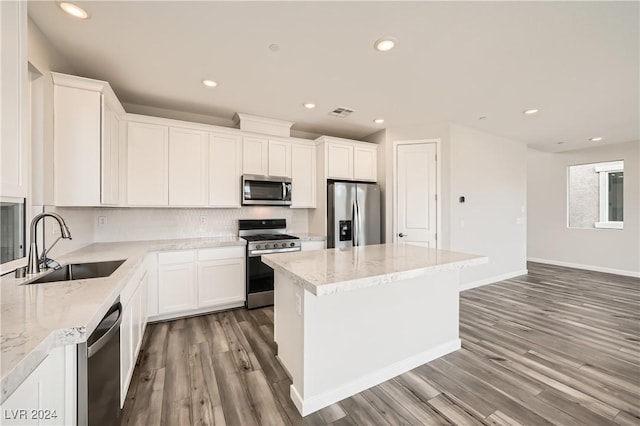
(286, 250)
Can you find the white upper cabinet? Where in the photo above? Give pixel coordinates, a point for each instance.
(255, 156)
(365, 162)
(147, 164)
(279, 158)
(14, 114)
(339, 161)
(350, 160)
(225, 170)
(188, 167)
(303, 175)
(86, 137)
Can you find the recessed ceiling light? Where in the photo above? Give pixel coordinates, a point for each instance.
(384, 44)
(309, 105)
(74, 10)
(209, 83)
(596, 139)
(274, 47)
(530, 111)
(378, 120)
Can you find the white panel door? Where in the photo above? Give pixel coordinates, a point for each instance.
(176, 287)
(365, 163)
(147, 165)
(188, 167)
(339, 161)
(255, 156)
(416, 194)
(303, 176)
(225, 170)
(221, 281)
(280, 158)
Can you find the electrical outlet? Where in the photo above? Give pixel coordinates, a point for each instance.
(203, 220)
(102, 220)
(55, 228)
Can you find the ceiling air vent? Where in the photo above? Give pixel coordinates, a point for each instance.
(341, 112)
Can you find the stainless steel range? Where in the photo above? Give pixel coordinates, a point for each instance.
(263, 236)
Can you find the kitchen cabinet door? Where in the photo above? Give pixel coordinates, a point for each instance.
(77, 131)
(303, 176)
(176, 287)
(126, 350)
(255, 156)
(110, 190)
(147, 165)
(188, 167)
(221, 282)
(225, 170)
(365, 163)
(279, 158)
(339, 161)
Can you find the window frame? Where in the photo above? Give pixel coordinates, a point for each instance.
(603, 171)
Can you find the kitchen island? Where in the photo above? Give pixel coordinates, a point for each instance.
(348, 319)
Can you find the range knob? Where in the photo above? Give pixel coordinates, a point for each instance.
(292, 244)
(258, 246)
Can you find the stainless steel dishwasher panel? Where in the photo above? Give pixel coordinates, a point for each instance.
(99, 373)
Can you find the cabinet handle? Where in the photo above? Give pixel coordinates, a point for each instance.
(401, 235)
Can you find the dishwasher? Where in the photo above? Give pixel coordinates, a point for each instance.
(99, 372)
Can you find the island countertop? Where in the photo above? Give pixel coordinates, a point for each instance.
(324, 272)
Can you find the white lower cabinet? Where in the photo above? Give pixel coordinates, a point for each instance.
(48, 395)
(197, 281)
(134, 320)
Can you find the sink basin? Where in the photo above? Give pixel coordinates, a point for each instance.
(80, 271)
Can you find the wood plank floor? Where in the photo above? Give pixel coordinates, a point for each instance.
(557, 346)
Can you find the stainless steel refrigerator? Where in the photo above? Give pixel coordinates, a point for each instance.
(353, 214)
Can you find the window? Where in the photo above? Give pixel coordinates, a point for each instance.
(12, 232)
(596, 195)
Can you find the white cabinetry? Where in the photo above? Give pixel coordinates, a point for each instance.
(365, 162)
(339, 161)
(255, 156)
(351, 160)
(279, 158)
(188, 167)
(225, 170)
(86, 134)
(49, 392)
(14, 114)
(303, 175)
(147, 164)
(134, 320)
(221, 278)
(198, 281)
(176, 281)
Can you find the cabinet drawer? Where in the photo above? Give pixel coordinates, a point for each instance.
(171, 257)
(221, 253)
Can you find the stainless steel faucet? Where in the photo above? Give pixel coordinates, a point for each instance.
(33, 265)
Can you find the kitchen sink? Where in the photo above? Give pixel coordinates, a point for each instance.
(80, 271)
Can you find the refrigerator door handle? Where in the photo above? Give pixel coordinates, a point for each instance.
(353, 224)
(356, 224)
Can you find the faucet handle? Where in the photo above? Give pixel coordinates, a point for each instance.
(21, 272)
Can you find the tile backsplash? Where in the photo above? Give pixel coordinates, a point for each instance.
(131, 224)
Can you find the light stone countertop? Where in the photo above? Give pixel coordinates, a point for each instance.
(39, 317)
(324, 272)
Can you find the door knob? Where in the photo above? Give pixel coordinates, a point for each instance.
(401, 235)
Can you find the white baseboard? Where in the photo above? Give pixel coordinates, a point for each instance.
(623, 272)
(315, 403)
(491, 280)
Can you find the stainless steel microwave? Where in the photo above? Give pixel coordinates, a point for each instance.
(266, 190)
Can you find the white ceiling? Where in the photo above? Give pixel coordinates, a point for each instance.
(578, 62)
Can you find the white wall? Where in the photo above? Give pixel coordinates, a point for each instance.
(549, 238)
(491, 173)
(131, 224)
